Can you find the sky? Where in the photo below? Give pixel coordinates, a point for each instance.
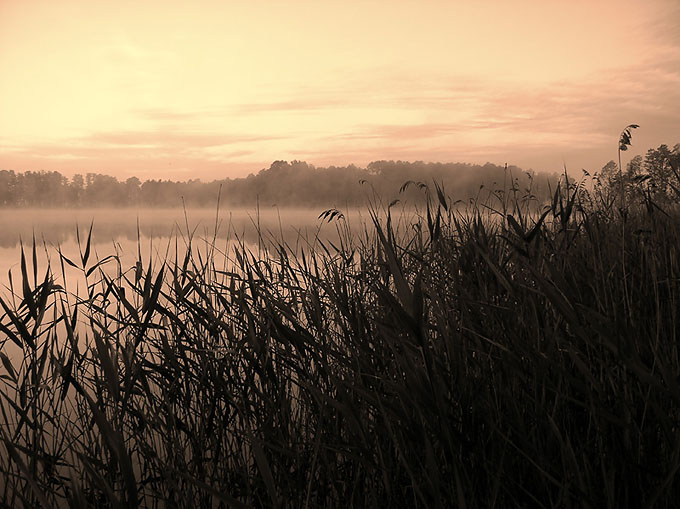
(214, 89)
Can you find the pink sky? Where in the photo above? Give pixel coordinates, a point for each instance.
(210, 89)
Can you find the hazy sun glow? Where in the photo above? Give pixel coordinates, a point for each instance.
(213, 89)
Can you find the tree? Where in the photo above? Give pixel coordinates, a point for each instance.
(634, 168)
(658, 165)
(609, 175)
(8, 188)
(104, 189)
(77, 187)
(133, 190)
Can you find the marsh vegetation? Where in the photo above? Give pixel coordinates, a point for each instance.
(507, 353)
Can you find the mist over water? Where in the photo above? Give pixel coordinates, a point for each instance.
(159, 232)
(57, 226)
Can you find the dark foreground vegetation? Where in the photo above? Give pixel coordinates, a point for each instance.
(509, 354)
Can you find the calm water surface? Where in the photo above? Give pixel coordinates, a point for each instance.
(153, 232)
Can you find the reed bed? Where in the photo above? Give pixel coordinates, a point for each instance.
(492, 354)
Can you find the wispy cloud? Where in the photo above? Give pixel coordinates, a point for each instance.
(169, 154)
(391, 115)
(301, 104)
(570, 122)
(167, 140)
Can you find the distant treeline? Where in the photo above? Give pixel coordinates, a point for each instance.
(294, 184)
(299, 184)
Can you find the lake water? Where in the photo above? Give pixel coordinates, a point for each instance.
(155, 232)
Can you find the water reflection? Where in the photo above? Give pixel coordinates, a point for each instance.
(158, 233)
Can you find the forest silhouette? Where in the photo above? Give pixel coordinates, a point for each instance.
(284, 184)
(299, 184)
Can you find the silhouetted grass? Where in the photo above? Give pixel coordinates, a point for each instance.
(485, 355)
